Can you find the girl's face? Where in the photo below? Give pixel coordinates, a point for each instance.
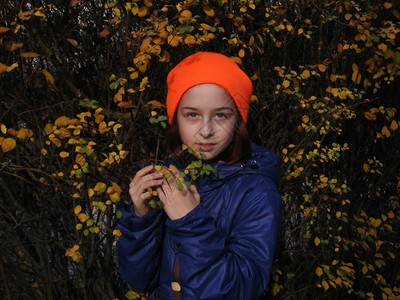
(207, 119)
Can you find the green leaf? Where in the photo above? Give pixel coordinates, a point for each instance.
(89, 222)
(118, 214)
(164, 125)
(132, 295)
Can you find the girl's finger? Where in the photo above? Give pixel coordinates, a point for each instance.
(141, 173)
(145, 196)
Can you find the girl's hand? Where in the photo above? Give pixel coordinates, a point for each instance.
(143, 179)
(177, 203)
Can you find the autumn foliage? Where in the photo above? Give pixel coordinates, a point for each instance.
(82, 93)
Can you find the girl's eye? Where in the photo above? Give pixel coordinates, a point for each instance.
(220, 115)
(191, 115)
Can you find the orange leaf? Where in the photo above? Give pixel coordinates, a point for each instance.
(321, 67)
(209, 11)
(24, 15)
(75, 2)
(286, 83)
(142, 12)
(8, 144)
(4, 29)
(104, 33)
(394, 125)
(385, 131)
(49, 77)
(29, 54)
(387, 5)
(155, 104)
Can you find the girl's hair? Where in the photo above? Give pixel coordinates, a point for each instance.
(238, 151)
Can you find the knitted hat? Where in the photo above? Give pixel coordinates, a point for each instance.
(208, 67)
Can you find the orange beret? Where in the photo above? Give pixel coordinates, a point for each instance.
(208, 67)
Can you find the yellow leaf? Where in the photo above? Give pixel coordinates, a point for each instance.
(117, 12)
(369, 116)
(375, 222)
(190, 40)
(236, 59)
(74, 43)
(317, 241)
(382, 47)
(62, 121)
(390, 214)
(77, 209)
(241, 53)
(29, 54)
(64, 154)
(100, 187)
(394, 125)
(39, 14)
(319, 271)
(366, 168)
(209, 11)
(205, 26)
(186, 13)
(387, 291)
(115, 197)
(83, 217)
(305, 119)
(90, 192)
(348, 16)
(48, 76)
(174, 40)
(3, 128)
(385, 131)
(253, 98)
(102, 127)
(325, 285)
(300, 31)
(145, 45)
(364, 270)
(286, 83)
(8, 144)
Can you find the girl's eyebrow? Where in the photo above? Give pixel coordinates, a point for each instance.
(217, 109)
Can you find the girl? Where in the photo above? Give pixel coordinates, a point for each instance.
(216, 238)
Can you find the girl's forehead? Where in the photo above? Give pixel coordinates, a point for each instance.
(206, 96)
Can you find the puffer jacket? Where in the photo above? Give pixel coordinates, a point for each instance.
(224, 246)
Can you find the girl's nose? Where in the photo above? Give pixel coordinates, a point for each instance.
(207, 129)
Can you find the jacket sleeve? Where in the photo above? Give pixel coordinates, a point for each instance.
(214, 266)
(139, 247)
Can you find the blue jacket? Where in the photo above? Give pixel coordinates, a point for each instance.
(225, 246)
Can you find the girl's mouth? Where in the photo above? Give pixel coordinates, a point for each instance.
(206, 146)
